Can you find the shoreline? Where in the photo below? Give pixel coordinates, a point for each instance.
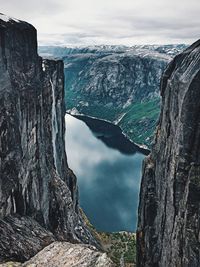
(78, 115)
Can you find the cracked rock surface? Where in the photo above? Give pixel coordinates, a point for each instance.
(64, 254)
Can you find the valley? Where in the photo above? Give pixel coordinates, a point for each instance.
(84, 182)
(116, 83)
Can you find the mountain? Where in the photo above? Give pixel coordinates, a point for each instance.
(62, 51)
(169, 210)
(39, 201)
(116, 83)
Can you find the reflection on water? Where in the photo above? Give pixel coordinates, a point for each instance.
(108, 180)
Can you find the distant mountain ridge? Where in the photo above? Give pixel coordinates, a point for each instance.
(62, 51)
(116, 83)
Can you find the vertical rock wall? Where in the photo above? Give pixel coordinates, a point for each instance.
(169, 211)
(38, 191)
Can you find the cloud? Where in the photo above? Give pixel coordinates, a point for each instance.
(31, 9)
(111, 197)
(109, 21)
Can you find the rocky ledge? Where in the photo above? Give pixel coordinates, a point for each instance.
(64, 254)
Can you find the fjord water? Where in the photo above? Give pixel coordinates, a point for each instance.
(108, 179)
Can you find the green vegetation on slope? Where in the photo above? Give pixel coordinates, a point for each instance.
(138, 120)
(91, 108)
(120, 246)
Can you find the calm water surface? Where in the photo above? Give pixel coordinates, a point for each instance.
(108, 179)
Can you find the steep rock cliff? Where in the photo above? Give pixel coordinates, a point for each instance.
(169, 211)
(116, 79)
(38, 192)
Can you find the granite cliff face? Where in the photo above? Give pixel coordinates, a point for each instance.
(169, 211)
(38, 191)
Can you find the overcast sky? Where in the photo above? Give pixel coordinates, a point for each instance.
(128, 22)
